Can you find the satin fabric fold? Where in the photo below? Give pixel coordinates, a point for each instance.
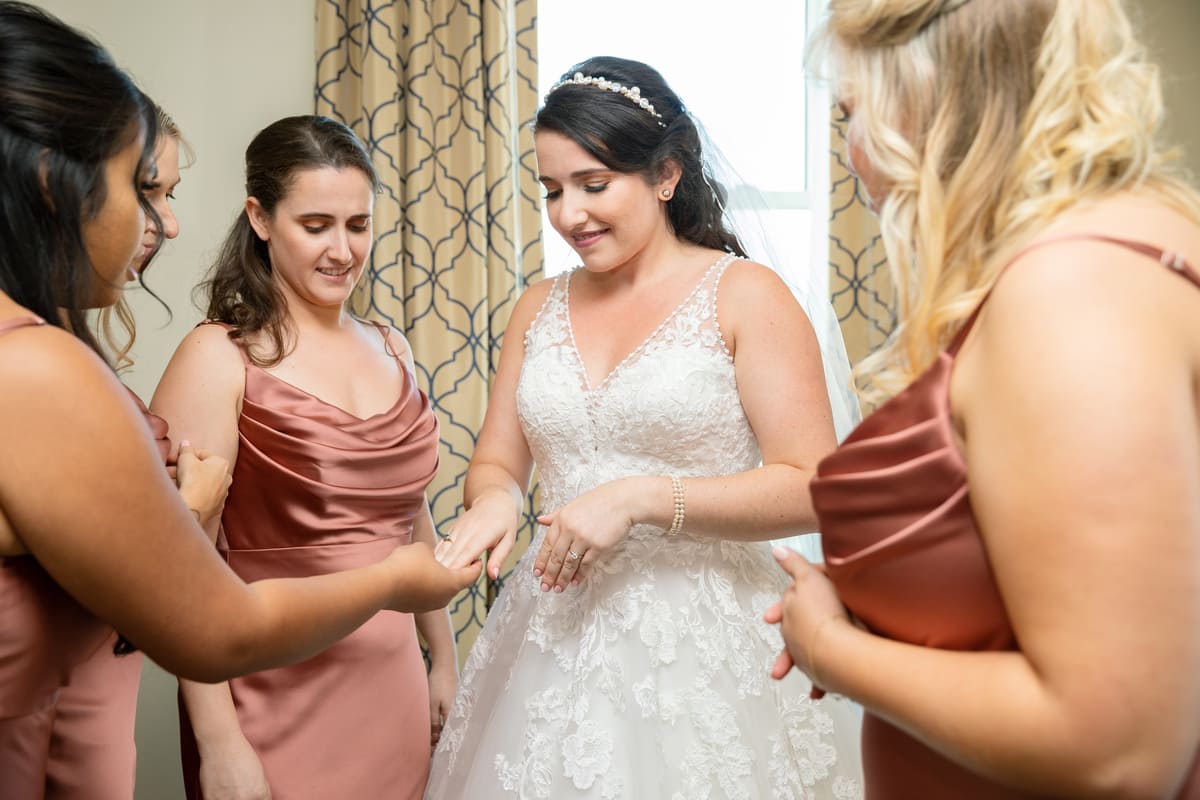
(44, 636)
(93, 755)
(904, 550)
(316, 490)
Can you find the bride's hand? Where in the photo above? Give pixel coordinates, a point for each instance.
(580, 532)
(489, 525)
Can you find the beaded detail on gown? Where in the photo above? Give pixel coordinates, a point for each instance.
(650, 679)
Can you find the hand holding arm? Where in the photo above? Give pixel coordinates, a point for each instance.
(204, 480)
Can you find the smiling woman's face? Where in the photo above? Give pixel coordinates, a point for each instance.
(159, 191)
(607, 217)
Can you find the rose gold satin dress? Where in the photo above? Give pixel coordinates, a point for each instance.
(903, 548)
(316, 490)
(92, 751)
(50, 644)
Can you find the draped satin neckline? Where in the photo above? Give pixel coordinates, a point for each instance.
(405, 377)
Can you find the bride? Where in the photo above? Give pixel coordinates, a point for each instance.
(671, 394)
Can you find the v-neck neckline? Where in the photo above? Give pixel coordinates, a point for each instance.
(632, 354)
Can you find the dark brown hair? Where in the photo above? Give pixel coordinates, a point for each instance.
(241, 287)
(65, 110)
(627, 138)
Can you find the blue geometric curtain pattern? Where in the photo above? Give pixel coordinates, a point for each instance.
(442, 93)
(859, 283)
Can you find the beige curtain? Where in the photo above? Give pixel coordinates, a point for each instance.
(441, 93)
(859, 283)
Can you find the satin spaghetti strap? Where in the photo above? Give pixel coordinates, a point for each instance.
(1170, 259)
(20, 322)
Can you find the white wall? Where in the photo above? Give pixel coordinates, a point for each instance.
(224, 69)
(1170, 28)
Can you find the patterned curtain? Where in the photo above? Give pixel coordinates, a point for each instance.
(441, 93)
(859, 284)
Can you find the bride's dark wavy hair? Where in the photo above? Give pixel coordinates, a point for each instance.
(65, 110)
(627, 138)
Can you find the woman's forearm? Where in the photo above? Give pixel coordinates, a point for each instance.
(769, 502)
(211, 713)
(437, 630)
(483, 478)
(993, 713)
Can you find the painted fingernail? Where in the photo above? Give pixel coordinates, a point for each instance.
(545, 587)
(558, 589)
(537, 573)
(779, 552)
(185, 443)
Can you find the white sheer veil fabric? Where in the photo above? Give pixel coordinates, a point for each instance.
(744, 216)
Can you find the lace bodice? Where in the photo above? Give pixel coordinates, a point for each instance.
(670, 407)
(650, 678)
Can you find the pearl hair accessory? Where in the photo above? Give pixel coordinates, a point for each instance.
(632, 92)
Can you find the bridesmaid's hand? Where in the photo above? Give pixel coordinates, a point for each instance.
(204, 481)
(581, 531)
(809, 606)
(490, 525)
(421, 583)
(233, 771)
(443, 683)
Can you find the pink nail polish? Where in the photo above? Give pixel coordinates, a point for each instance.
(537, 573)
(545, 587)
(558, 589)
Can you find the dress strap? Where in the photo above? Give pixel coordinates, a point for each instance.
(1172, 260)
(20, 322)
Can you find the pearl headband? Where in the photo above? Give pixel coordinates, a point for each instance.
(634, 94)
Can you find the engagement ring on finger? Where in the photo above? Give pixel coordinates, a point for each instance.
(574, 556)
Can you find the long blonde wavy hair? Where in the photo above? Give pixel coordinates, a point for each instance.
(115, 324)
(985, 120)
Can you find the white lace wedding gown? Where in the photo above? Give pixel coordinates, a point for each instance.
(650, 679)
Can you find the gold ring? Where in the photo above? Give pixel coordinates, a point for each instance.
(574, 556)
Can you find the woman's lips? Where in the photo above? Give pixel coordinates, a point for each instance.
(335, 274)
(587, 238)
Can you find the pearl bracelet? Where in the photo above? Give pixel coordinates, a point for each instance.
(678, 496)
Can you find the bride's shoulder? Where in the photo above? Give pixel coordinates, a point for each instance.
(747, 284)
(530, 304)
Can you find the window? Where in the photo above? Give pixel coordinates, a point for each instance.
(739, 67)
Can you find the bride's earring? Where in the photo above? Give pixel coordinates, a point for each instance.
(666, 194)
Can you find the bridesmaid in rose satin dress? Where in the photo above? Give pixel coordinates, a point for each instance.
(333, 444)
(1011, 584)
(92, 751)
(93, 532)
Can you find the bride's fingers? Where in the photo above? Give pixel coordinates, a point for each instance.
(570, 567)
(554, 566)
(499, 555)
(543, 555)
